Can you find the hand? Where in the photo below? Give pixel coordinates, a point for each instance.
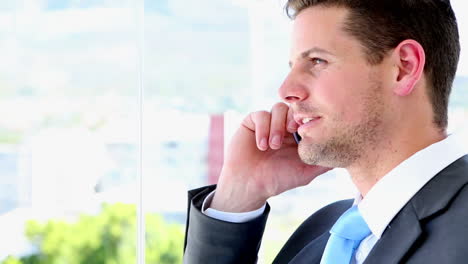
(261, 162)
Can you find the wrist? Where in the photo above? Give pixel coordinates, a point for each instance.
(236, 199)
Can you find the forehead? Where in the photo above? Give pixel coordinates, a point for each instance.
(321, 27)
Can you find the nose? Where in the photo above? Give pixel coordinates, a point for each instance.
(293, 89)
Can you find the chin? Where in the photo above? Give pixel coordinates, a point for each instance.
(327, 154)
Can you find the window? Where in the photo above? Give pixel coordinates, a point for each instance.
(112, 110)
(69, 130)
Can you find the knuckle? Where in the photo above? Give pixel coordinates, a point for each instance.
(261, 114)
(276, 132)
(280, 106)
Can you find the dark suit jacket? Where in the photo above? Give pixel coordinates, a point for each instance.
(431, 228)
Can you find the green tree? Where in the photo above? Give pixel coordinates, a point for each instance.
(106, 238)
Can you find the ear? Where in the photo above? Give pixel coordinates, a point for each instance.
(409, 58)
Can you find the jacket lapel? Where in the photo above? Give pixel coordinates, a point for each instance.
(406, 228)
(397, 239)
(312, 253)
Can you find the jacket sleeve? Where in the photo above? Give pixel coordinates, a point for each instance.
(209, 240)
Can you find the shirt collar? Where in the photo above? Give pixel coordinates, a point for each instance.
(388, 196)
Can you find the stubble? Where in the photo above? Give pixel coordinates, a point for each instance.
(349, 143)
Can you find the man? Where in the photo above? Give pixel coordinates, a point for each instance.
(367, 91)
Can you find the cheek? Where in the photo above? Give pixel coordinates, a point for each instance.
(339, 98)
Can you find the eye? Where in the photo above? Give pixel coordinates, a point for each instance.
(318, 61)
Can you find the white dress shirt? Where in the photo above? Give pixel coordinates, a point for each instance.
(387, 197)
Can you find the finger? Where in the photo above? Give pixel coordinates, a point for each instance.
(289, 140)
(279, 114)
(261, 121)
(292, 126)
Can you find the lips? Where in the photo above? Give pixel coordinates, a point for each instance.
(302, 120)
(308, 119)
(306, 123)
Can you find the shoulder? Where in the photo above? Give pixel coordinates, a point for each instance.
(445, 230)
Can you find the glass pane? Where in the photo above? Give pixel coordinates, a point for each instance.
(197, 67)
(68, 132)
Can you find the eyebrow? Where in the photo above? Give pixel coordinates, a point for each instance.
(309, 51)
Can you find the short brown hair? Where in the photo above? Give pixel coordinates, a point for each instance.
(380, 25)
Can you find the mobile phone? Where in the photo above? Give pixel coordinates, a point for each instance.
(297, 137)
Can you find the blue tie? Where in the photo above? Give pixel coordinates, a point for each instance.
(346, 235)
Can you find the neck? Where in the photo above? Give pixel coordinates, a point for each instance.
(388, 154)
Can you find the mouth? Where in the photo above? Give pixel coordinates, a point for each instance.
(303, 120)
(308, 120)
(307, 123)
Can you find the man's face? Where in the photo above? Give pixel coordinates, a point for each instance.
(332, 83)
